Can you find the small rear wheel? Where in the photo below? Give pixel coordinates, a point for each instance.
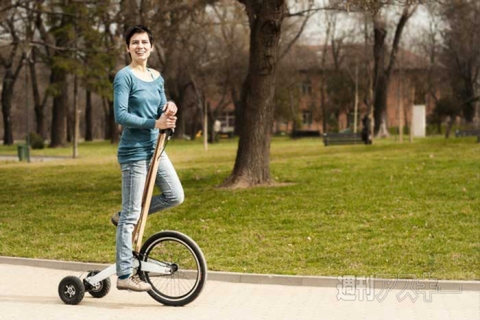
(71, 290)
(100, 289)
(188, 268)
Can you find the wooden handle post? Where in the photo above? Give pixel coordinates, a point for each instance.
(147, 193)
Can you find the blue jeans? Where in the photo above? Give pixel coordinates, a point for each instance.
(133, 182)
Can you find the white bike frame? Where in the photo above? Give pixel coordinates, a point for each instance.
(149, 266)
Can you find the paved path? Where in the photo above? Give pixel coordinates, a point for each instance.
(31, 293)
(11, 158)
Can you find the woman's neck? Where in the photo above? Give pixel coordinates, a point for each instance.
(141, 67)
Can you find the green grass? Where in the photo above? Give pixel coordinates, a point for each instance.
(390, 208)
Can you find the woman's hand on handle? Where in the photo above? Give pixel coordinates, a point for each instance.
(166, 121)
(170, 108)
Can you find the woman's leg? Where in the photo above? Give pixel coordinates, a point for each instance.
(133, 183)
(168, 182)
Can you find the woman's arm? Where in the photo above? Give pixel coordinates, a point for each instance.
(121, 92)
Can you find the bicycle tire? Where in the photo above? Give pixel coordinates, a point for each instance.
(187, 262)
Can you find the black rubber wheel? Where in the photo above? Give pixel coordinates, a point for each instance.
(71, 290)
(187, 264)
(101, 289)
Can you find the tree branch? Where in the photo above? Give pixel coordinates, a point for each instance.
(20, 64)
(309, 11)
(297, 36)
(406, 14)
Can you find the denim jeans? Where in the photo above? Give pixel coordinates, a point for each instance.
(133, 183)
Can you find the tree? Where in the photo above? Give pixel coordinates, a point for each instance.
(62, 34)
(382, 67)
(35, 15)
(12, 64)
(381, 75)
(339, 65)
(287, 93)
(72, 38)
(97, 66)
(230, 56)
(38, 102)
(462, 51)
(446, 108)
(252, 160)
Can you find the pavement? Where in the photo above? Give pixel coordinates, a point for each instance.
(28, 290)
(12, 158)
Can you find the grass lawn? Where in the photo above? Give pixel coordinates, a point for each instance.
(385, 209)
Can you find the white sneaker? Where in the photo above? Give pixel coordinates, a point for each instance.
(133, 283)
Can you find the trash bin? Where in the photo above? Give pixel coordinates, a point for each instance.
(23, 152)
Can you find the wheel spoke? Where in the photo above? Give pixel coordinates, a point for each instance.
(187, 265)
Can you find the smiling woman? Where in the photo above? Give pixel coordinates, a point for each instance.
(141, 108)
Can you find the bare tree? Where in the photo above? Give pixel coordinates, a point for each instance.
(382, 70)
(431, 46)
(231, 56)
(330, 29)
(462, 51)
(11, 60)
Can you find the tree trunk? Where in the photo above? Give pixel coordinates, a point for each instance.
(88, 116)
(450, 122)
(379, 80)
(211, 116)
(7, 93)
(8, 60)
(468, 95)
(180, 124)
(70, 125)
(39, 105)
(106, 119)
(380, 107)
(237, 112)
(382, 75)
(114, 134)
(323, 78)
(58, 133)
(253, 153)
(59, 81)
(294, 114)
(111, 131)
(179, 100)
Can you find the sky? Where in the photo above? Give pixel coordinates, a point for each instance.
(347, 23)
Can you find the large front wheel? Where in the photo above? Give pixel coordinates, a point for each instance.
(187, 265)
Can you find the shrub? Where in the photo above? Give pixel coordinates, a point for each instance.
(36, 141)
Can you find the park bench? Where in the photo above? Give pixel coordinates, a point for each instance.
(342, 138)
(305, 133)
(468, 133)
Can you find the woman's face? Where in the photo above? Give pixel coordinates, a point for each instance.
(140, 47)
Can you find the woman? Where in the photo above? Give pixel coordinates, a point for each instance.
(141, 108)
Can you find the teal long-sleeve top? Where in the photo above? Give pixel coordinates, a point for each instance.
(137, 104)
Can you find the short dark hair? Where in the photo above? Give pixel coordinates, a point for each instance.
(137, 29)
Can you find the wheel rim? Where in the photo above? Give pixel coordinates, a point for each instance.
(186, 272)
(70, 291)
(98, 286)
